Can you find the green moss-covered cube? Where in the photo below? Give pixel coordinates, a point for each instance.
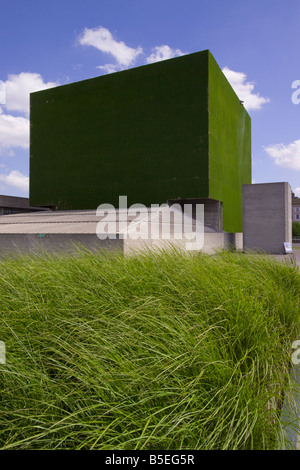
(168, 130)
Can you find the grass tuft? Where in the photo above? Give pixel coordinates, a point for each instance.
(163, 350)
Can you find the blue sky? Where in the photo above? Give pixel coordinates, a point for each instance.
(256, 43)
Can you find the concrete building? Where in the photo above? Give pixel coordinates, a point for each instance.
(64, 231)
(267, 220)
(295, 208)
(17, 205)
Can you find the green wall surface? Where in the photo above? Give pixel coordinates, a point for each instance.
(151, 133)
(229, 148)
(138, 133)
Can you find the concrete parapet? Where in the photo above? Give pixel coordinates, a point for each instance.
(267, 220)
(213, 210)
(60, 231)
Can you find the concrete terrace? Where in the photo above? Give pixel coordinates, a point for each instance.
(59, 230)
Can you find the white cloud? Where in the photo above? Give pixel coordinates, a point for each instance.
(102, 39)
(18, 87)
(16, 179)
(2, 92)
(14, 131)
(244, 89)
(109, 68)
(162, 53)
(297, 192)
(287, 156)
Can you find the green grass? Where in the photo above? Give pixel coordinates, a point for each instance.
(153, 351)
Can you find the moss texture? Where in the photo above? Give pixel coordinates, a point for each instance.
(161, 131)
(229, 147)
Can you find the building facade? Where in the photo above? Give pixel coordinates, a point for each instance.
(17, 205)
(172, 130)
(295, 208)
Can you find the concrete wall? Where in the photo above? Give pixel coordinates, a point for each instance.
(267, 220)
(11, 244)
(54, 243)
(233, 240)
(213, 210)
(63, 232)
(14, 204)
(213, 243)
